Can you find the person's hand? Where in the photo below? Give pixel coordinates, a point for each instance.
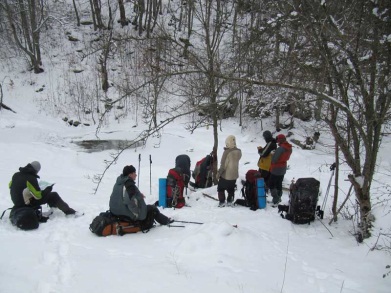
(48, 189)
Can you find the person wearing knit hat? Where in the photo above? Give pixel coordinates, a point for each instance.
(127, 201)
(36, 165)
(278, 167)
(26, 192)
(265, 156)
(228, 172)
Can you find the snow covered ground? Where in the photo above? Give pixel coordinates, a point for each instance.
(264, 253)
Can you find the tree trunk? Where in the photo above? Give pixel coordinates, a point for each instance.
(122, 14)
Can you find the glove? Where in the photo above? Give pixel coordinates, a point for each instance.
(48, 189)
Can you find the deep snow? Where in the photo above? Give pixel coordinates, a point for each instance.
(265, 253)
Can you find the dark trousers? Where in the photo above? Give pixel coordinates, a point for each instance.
(54, 200)
(157, 215)
(275, 182)
(226, 185)
(265, 175)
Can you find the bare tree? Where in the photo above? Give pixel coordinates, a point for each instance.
(25, 21)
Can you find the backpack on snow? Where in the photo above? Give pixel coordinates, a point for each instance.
(202, 173)
(303, 199)
(175, 188)
(27, 218)
(106, 224)
(249, 190)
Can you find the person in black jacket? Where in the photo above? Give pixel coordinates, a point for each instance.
(26, 192)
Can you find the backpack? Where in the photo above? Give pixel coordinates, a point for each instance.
(175, 187)
(249, 190)
(27, 218)
(303, 199)
(106, 224)
(202, 173)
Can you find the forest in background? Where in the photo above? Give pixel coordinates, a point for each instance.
(322, 61)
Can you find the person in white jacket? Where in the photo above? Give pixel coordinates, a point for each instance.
(228, 171)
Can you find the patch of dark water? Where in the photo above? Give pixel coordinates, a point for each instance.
(93, 145)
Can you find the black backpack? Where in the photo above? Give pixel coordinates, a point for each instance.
(303, 199)
(26, 218)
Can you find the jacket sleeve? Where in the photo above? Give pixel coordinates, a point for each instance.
(266, 150)
(131, 188)
(33, 186)
(222, 163)
(277, 154)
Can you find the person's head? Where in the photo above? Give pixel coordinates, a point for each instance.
(129, 171)
(230, 142)
(280, 138)
(267, 136)
(36, 166)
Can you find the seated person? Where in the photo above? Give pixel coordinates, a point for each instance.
(127, 201)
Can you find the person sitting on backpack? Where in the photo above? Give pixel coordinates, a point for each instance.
(278, 167)
(265, 156)
(127, 201)
(183, 162)
(228, 171)
(25, 191)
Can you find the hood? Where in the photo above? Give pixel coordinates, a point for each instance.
(121, 179)
(29, 169)
(230, 142)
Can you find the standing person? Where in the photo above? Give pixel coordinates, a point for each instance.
(127, 200)
(183, 162)
(26, 192)
(229, 171)
(278, 167)
(265, 156)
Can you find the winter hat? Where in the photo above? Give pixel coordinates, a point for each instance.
(128, 169)
(36, 165)
(267, 135)
(281, 138)
(230, 142)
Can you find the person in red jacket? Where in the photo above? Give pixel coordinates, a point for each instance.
(278, 167)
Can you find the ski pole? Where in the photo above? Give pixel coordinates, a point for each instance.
(332, 169)
(189, 222)
(150, 175)
(139, 171)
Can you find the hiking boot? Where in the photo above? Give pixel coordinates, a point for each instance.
(74, 214)
(221, 204)
(230, 204)
(170, 221)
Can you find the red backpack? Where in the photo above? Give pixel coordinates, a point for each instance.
(175, 187)
(202, 173)
(249, 189)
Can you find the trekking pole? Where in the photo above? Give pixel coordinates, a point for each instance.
(332, 168)
(138, 178)
(150, 175)
(188, 222)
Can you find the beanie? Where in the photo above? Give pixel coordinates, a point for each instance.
(128, 169)
(267, 135)
(36, 165)
(230, 142)
(281, 138)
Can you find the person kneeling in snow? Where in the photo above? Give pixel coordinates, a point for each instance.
(27, 197)
(127, 201)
